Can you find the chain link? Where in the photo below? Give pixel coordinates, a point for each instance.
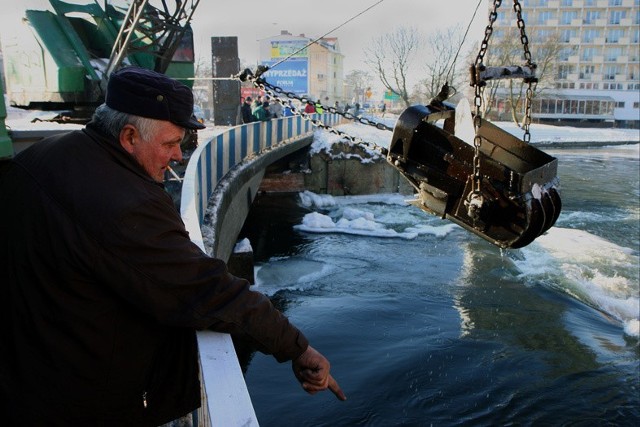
(475, 199)
(523, 34)
(275, 92)
(527, 56)
(493, 15)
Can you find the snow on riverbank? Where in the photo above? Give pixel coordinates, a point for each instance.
(558, 136)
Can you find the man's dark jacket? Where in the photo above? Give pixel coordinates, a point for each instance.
(102, 292)
(247, 117)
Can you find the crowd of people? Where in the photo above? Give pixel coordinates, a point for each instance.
(264, 108)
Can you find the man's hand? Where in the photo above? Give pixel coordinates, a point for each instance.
(312, 370)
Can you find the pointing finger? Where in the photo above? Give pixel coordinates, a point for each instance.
(335, 388)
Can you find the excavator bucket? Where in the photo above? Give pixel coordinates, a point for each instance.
(519, 189)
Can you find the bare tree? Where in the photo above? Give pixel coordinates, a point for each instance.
(390, 56)
(508, 50)
(357, 81)
(442, 63)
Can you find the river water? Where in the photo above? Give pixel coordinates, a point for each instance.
(433, 326)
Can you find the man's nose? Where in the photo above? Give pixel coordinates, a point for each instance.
(176, 155)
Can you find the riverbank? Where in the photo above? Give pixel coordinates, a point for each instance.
(338, 167)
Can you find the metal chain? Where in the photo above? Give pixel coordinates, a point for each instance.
(475, 199)
(493, 15)
(276, 91)
(527, 56)
(523, 34)
(527, 113)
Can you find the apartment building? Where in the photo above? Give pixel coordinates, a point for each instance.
(596, 77)
(315, 71)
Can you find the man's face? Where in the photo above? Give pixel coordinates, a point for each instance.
(154, 155)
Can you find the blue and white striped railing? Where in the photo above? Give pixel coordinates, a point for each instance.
(214, 158)
(226, 400)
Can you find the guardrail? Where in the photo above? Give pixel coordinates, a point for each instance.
(226, 401)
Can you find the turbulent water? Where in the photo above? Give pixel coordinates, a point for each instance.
(431, 325)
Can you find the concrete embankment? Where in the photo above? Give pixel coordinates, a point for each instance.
(347, 170)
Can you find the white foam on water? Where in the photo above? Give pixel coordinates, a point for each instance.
(340, 216)
(594, 270)
(293, 274)
(576, 217)
(313, 200)
(316, 222)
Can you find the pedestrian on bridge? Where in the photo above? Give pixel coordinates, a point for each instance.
(102, 289)
(262, 113)
(245, 110)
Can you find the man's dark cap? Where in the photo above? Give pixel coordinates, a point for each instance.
(149, 94)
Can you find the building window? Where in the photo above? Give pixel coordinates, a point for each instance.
(589, 2)
(543, 3)
(590, 34)
(609, 72)
(545, 33)
(586, 71)
(566, 2)
(544, 16)
(564, 71)
(612, 86)
(590, 16)
(615, 2)
(620, 104)
(612, 53)
(565, 36)
(565, 53)
(567, 16)
(616, 16)
(636, 105)
(614, 35)
(589, 52)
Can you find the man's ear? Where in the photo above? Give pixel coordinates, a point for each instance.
(127, 138)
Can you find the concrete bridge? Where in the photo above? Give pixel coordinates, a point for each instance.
(221, 181)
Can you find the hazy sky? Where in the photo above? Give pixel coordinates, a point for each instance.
(253, 20)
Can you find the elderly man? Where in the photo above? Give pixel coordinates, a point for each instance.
(102, 290)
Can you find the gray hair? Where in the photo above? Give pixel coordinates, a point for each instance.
(112, 121)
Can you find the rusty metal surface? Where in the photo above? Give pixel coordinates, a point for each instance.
(519, 191)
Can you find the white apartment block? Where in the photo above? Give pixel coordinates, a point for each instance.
(597, 74)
